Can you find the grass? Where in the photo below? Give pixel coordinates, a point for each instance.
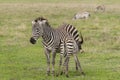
(20, 60)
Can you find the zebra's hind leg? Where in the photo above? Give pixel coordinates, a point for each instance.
(60, 63)
(78, 64)
(67, 62)
(65, 66)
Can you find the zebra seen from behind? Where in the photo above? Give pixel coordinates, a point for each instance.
(65, 39)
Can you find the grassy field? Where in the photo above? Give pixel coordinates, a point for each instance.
(20, 60)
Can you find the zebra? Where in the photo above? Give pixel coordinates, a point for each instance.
(83, 15)
(54, 39)
(100, 8)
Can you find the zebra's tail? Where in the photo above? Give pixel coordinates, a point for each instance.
(79, 43)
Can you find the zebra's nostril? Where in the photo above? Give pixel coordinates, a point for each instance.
(32, 40)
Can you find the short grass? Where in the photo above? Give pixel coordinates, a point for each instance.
(20, 60)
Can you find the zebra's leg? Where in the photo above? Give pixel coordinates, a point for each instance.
(78, 63)
(53, 61)
(64, 66)
(60, 63)
(67, 62)
(47, 54)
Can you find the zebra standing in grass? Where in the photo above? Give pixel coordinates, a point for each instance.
(64, 39)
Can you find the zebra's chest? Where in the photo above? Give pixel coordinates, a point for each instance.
(51, 46)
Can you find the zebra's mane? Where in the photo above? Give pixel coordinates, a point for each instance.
(41, 19)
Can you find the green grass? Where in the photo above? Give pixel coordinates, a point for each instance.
(20, 60)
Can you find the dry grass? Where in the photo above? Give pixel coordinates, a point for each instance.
(46, 6)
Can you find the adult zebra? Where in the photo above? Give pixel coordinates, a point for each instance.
(61, 40)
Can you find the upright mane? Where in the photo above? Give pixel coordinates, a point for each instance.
(41, 19)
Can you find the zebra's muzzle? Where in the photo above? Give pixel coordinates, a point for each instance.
(32, 40)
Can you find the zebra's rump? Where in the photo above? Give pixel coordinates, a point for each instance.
(68, 47)
(70, 29)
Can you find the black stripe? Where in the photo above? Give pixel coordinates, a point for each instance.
(70, 27)
(67, 26)
(51, 40)
(76, 36)
(72, 30)
(75, 33)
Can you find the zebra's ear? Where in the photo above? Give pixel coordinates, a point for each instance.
(33, 22)
(44, 21)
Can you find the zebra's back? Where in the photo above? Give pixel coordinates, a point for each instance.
(68, 29)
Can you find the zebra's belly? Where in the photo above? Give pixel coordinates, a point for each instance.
(56, 47)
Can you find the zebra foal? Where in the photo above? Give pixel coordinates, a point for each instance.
(53, 41)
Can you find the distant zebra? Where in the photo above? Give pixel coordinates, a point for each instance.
(100, 8)
(65, 39)
(83, 15)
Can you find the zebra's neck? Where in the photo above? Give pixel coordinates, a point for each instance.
(47, 35)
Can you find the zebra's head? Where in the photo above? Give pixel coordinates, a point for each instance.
(37, 28)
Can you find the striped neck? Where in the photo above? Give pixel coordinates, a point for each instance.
(47, 35)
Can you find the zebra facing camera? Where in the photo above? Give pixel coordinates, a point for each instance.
(32, 40)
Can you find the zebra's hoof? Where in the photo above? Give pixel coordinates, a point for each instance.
(53, 73)
(76, 68)
(57, 75)
(48, 73)
(61, 73)
(67, 76)
(83, 73)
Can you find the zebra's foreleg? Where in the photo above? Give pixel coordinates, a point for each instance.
(60, 63)
(47, 54)
(78, 63)
(53, 62)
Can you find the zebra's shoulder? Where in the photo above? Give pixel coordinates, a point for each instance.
(61, 26)
(66, 26)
